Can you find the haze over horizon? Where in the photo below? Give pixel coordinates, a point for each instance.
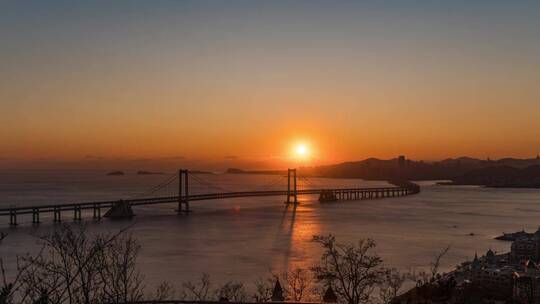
(247, 83)
(166, 164)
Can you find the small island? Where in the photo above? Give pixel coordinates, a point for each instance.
(116, 173)
(149, 173)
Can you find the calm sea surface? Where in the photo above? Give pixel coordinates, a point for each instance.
(242, 239)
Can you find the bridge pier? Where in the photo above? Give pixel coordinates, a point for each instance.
(35, 215)
(359, 194)
(183, 192)
(13, 217)
(294, 193)
(327, 196)
(97, 212)
(77, 214)
(57, 215)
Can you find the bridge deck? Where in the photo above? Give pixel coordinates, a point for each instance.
(195, 197)
(335, 194)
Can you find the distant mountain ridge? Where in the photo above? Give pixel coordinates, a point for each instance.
(462, 170)
(401, 168)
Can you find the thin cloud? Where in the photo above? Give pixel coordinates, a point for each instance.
(94, 157)
(179, 157)
(141, 159)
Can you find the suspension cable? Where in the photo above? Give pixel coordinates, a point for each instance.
(206, 183)
(158, 187)
(272, 182)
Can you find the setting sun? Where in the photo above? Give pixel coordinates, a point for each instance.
(301, 151)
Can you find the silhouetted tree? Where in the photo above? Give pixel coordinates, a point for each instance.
(391, 285)
(264, 288)
(164, 291)
(198, 291)
(232, 291)
(11, 287)
(297, 282)
(121, 280)
(433, 273)
(352, 270)
(75, 266)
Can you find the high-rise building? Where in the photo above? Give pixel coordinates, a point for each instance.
(402, 161)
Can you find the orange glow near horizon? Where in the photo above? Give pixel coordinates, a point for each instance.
(214, 89)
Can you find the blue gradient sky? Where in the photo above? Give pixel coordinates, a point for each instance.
(214, 79)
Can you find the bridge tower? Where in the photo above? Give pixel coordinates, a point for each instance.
(291, 173)
(183, 191)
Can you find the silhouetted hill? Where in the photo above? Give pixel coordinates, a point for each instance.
(455, 169)
(388, 169)
(448, 169)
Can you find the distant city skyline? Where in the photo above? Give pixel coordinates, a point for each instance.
(248, 82)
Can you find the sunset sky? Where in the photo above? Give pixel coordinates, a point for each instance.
(247, 82)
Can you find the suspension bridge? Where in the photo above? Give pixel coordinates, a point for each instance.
(177, 189)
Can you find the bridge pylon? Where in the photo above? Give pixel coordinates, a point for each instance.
(183, 191)
(291, 193)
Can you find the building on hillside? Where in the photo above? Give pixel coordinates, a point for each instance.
(402, 161)
(527, 284)
(490, 274)
(526, 248)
